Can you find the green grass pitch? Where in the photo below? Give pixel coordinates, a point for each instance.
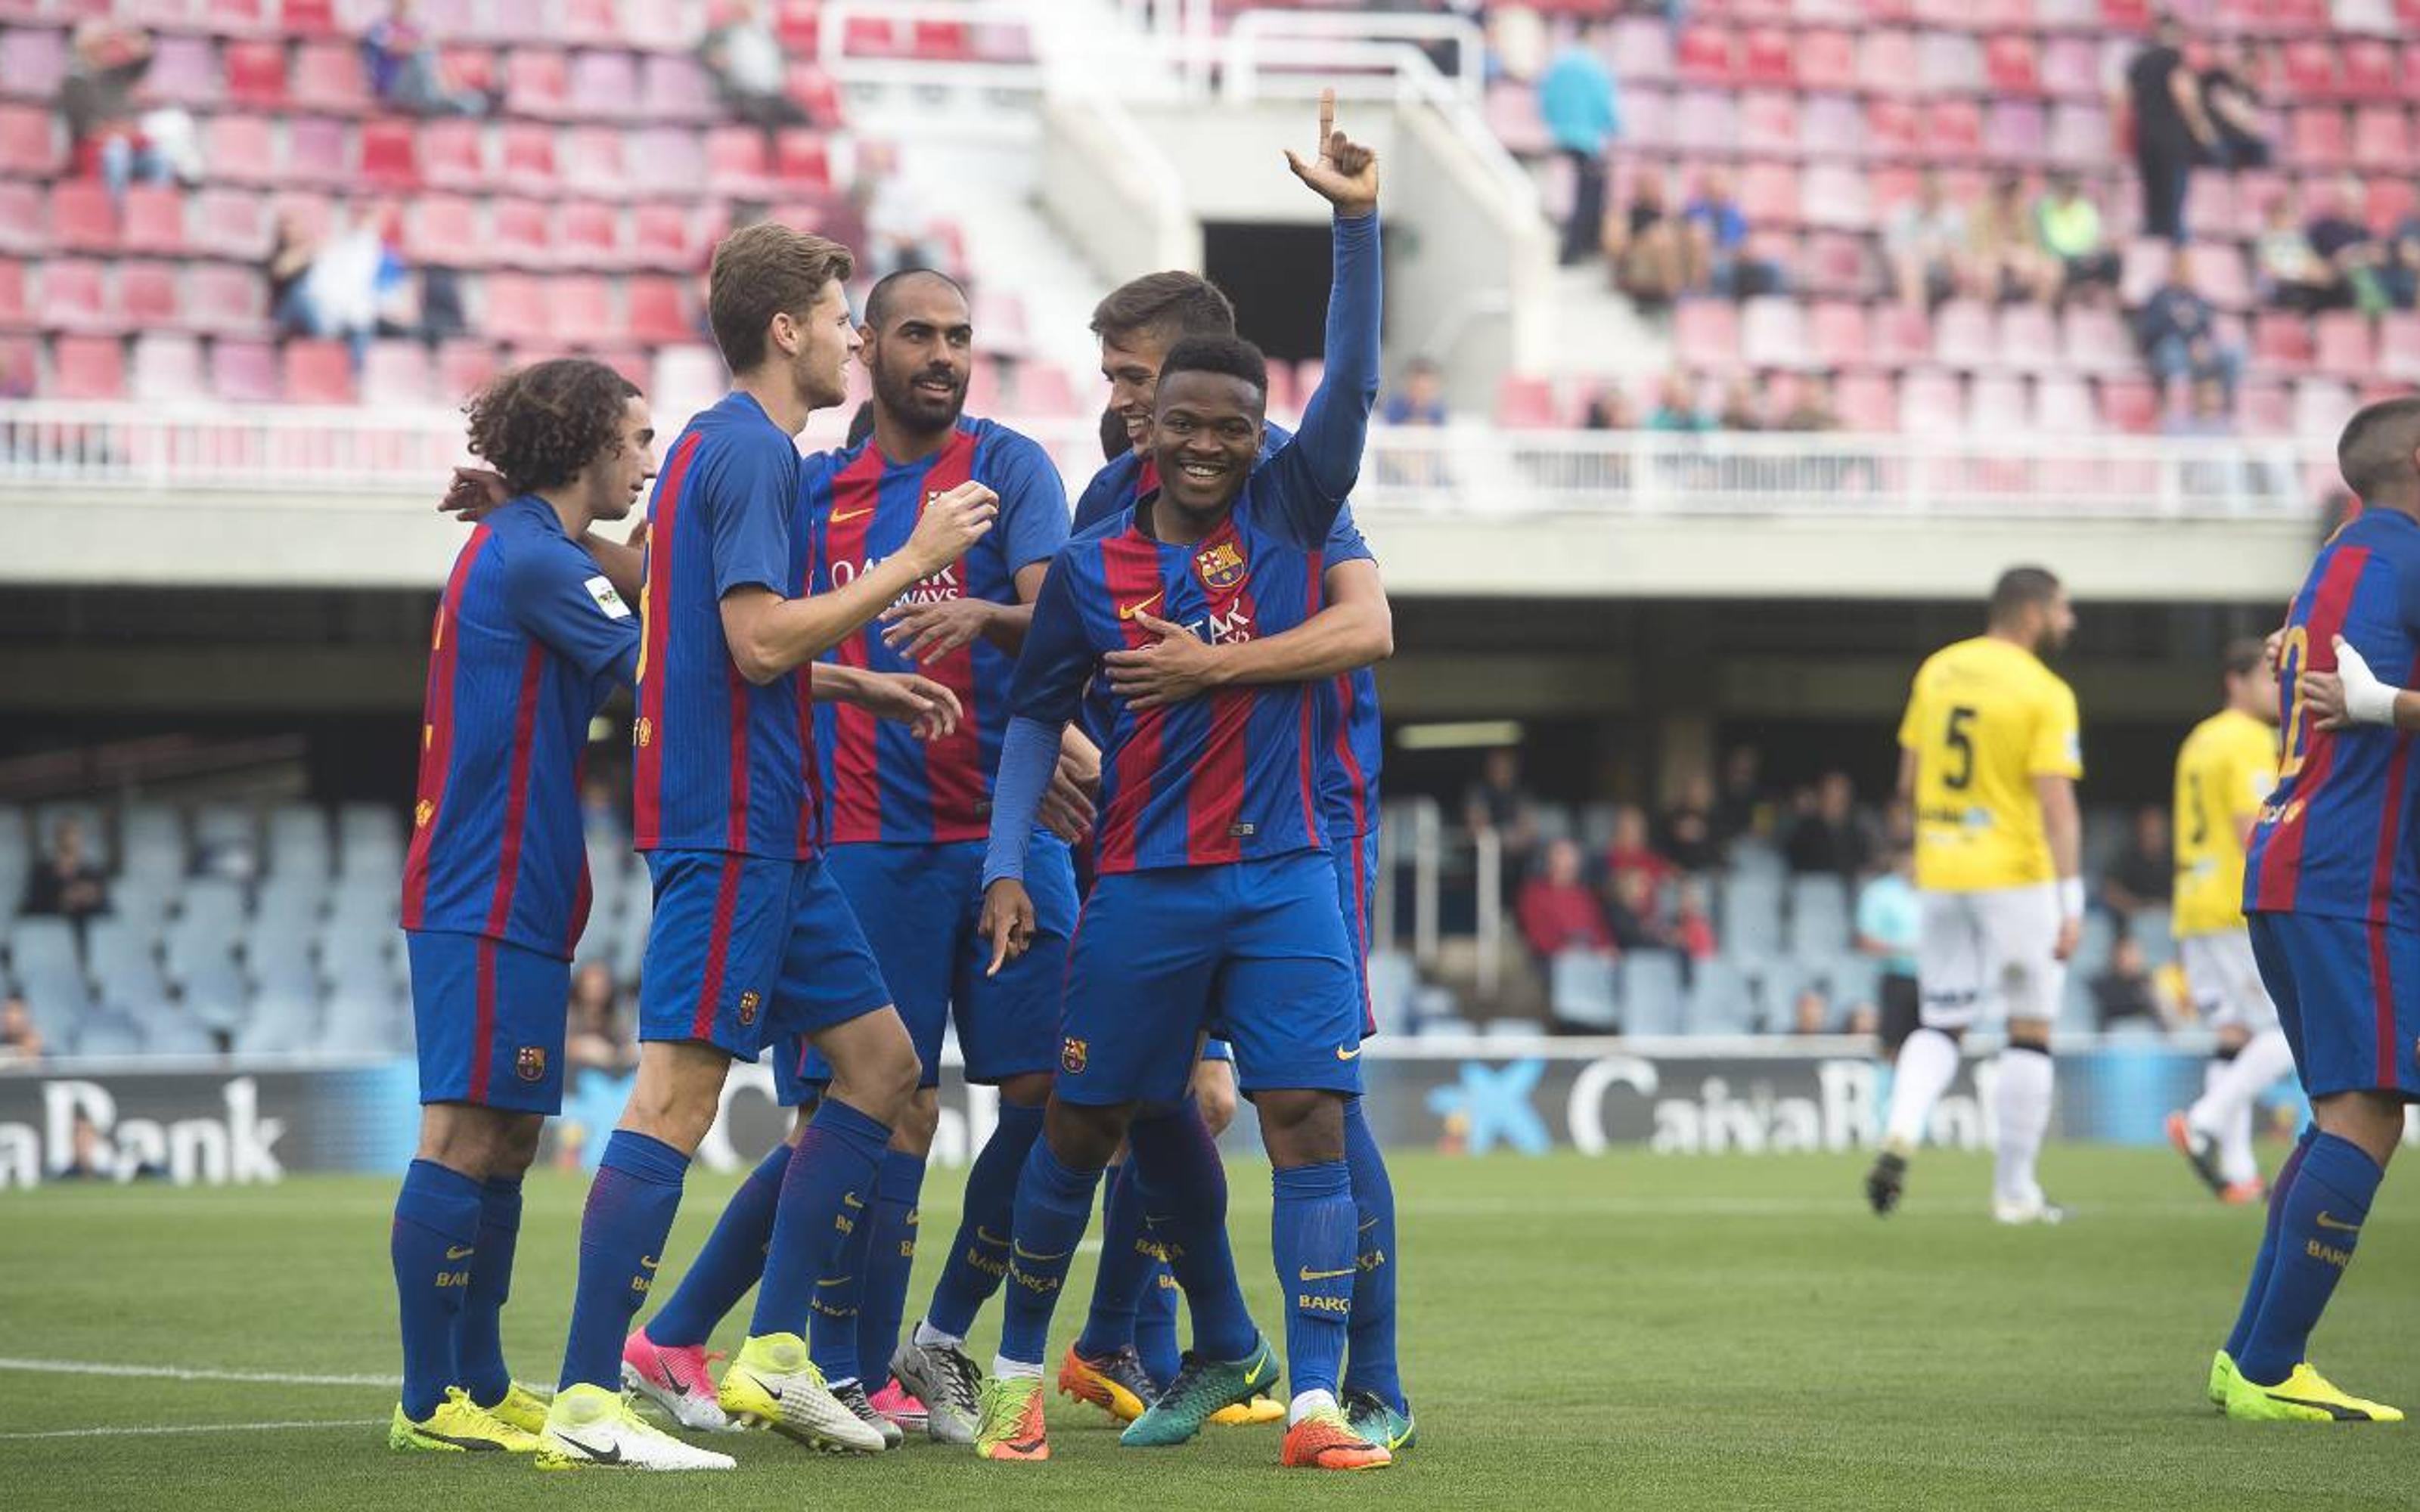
(1627, 1332)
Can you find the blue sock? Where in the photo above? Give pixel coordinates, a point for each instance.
(1054, 1206)
(436, 1231)
(2315, 1234)
(1126, 1263)
(1311, 1235)
(2265, 1259)
(622, 1234)
(890, 1258)
(1370, 1358)
(479, 1339)
(978, 1260)
(1155, 1330)
(1185, 1191)
(834, 1305)
(729, 1264)
(822, 1207)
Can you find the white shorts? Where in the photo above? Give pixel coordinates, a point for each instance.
(1990, 955)
(2225, 980)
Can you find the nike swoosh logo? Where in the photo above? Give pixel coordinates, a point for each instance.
(850, 1199)
(985, 1236)
(649, 1262)
(1024, 1254)
(460, 1252)
(837, 1281)
(2326, 1222)
(1127, 611)
(1342, 1054)
(1372, 1223)
(838, 516)
(1252, 1376)
(596, 1456)
(1309, 1274)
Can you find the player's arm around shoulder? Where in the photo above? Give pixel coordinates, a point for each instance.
(560, 596)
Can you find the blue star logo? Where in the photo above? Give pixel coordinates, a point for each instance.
(591, 1106)
(1491, 1106)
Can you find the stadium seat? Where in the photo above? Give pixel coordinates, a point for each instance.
(1642, 51)
(29, 147)
(444, 229)
(2369, 70)
(581, 308)
(328, 77)
(515, 308)
(154, 220)
(1748, 913)
(675, 88)
(237, 18)
(589, 23)
(1650, 985)
(1931, 402)
(527, 160)
(317, 152)
(1526, 403)
(1703, 55)
(256, 74)
(736, 160)
(603, 85)
(591, 236)
(81, 217)
(16, 311)
(125, 963)
(1705, 335)
(1719, 1001)
(2381, 138)
(591, 159)
(1773, 334)
(463, 367)
(658, 311)
(167, 369)
(1962, 335)
(2282, 341)
(1997, 404)
(76, 297)
(1867, 402)
(1768, 124)
(2063, 406)
(2398, 346)
(2318, 138)
(33, 62)
(43, 963)
(88, 367)
(147, 294)
(2129, 403)
(242, 149)
(390, 155)
(454, 154)
(802, 160)
(669, 158)
(521, 233)
(244, 371)
(661, 237)
(537, 83)
(1580, 992)
(318, 372)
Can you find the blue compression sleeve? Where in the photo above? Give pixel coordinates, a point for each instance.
(1028, 753)
(1336, 422)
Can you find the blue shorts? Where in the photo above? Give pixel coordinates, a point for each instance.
(2336, 981)
(489, 1017)
(918, 905)
(1255, 951)
(744, 949)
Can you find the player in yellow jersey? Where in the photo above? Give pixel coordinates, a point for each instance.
(1988, 756)
(2225, 772)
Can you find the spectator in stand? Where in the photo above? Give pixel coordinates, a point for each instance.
(1497, 804)
(751, 72)
(2008, 262)
(2230, 97)
(1743, 805)
(898, 226)
(2144, 874)
(2293, 275)
(326, 287)
(2233, 475)
(1715, 234)
(408, 74)
(66, 883)
(90, 1157)
(1829, 835)
(2399, 272)
(293, 244)
(20, 1044)
(1926, 243)
(2124, 989)
(1609, 409)
(1632, 913)
(2178, 334)
(1812, 410)
(1421, 399)
(597, 1037)
(1739, 411)
(2066, 223)
(1676, 406)
(1556, 910)
(1811, 1012)
(2342, 239)
(111, 131)
(1693, 923)
(1685, 830)
(1890, 921)
(2172, 131)
(1629, 849)
(1644, 248)
(1582, 111)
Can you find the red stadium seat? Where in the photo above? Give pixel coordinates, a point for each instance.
(444, 229)
(1891, 130)
(582, 309)
(528, 157)
(473, 68)
(147, 294)
(2390, 201)
(154, 219)
(2398, 346)
(454, 154)
(2221, 275)
(589, 23)
(167, 369)
(522, 233)
(318, 372)
(1837, 264)
(256, 74)
(1768, 123)
(2381, 138)
(328, 76)
(308, 17)
(735, 160)
(15, 313)
(21, 219)
(1931, 402)
(869, 36)
(661, 237)
(1769, 57)
(82, 218)
(658, 315)
(390, 155)
(2317, 137)
(1828, 60)
(2026, 338)
(939, 41)
(463, 366)
(796, 24)
(590, 236)
(1703, 55)
(1705, 335)
(591, 159)
(33, 62)
(2011, 65)
(518, 309)
(2281, 341)
(2343, 343)
(802, 159)
(317, 152)
(2095, 340)
(1768, 193)
(1526, 403)
(1867, 402)
(2311, 71)
(2369, 70)
(1953, 129)
(2126, 15)
(1962, 335)
(227, 300)
(1903, 336)
(537, 82)
(88, 367)
(244, 371)
(29, 147)
(237, 18)
(1886, 62)
(815, 92)
(241, 149)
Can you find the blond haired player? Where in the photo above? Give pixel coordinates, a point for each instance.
(1988, 756)
(2226, 770)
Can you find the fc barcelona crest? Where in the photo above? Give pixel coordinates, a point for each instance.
(422, 812)
(748, 1002)
(643, 735)
(529, 1063)
(1072, 1056)
(1220, 566)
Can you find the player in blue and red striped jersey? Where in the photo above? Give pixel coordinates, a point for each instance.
(1215, 906)
(2332, 890)
(528, 639)
(1136, 325)
(905, 821)
(751, 938)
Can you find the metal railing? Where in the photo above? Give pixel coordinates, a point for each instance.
(1463, 471)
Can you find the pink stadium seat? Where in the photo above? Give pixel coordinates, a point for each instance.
(603, 85)
(1903, 336)
(1511, 111)
(2310, 69)
(2343, 343)
(317, 152)
(2014, 131)
(1886, 62)
(735, 160)
(589, 23)
(82, 218)
(1836, 263)
(1952, 63)
(1931, 402)
(256, 74)
(581, 308)
(2070, 68)
(2126, 15)
(88, 367)
(1526, 403)
(1867, 402)
(1953, 129)
(237, 18)
(328, 76)
(590, 236)
(2079, 134)
(1705, 120)
(1768, 193)
(463, 366)
(657, 313)
(2317, 137)
(2095, 340)
(2299, 16)
(1768, 123)
(390, 155)
(444, 229)
(2221, 275)
(167, 369)
(1773, 334)
(869, 36)
(1769, 57)
(2398, 346)
(2062, 405)
(30, 148)
(1704, 55)
(1996, 403)
(473, 68)
(661, 236)
(241, 149)
(2027, 339)
(2322, 405)
(308, 17)
(454, 154)
(33, 61)
(22, 224)
(1891, 130)
(677, 89)
(591, 158)
(1831, 125)
(15, 313)
(2381, 138)
(667, 157)
(154, 219)
(1828, 60)
(184, 71)
(941, 41)
(226, 298)
(537, 82)
(318, 372)
(815, 92)
(2390, 200)
(1705, 334)
(2265, 407)
(1961, 334)
(795, 22)
(528, 157)
(1829, 13)
(1835, 196)
(2011, 65)
(802, 159)
(522, 233)
(147, 294)
(244, 371)
(1642, 51)
(517, 308)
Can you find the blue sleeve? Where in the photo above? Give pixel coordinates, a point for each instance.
(1344, 542)
(1032, 501)
(1028, 753)
(560, 596)
(1058, 660)
(754, 493)
(1313, 474)
(1102, 497)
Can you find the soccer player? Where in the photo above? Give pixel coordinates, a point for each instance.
(905, 822)
(2225, 773)
(1136, 325)
(1213, 907)
(751, 938)
(1988, 758)
(528, 639)
(2331, 885)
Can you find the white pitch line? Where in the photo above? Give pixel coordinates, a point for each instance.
(193, 1428)
(160, 1372)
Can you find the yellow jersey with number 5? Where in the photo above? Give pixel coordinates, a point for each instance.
(1985, 718)
(2226, 770)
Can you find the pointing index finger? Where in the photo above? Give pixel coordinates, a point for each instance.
(1327, 118)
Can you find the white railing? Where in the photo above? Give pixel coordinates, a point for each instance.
(1468, 470)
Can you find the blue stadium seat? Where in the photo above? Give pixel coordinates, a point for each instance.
(220, 825)
(108, 1034)
(209, 984)
(278, 959)
(1651, 993)
(297, 840)
(2152, 929)
(1579, 992)
(1511, 1029)
(1818, 916)
(371, 824)
(280, 1022)
(1553, 821)
(1753, 857)
(1748, 914)
(367, 901)
(1719, 1002)
(214, 906)
(1394, 979)
(1854, 979)
(361, 1023)
(176, 1034)
(42, 960)
(154, 836)
(143, 900)
(637, 912)
(125, 963)
(1448, 1026)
